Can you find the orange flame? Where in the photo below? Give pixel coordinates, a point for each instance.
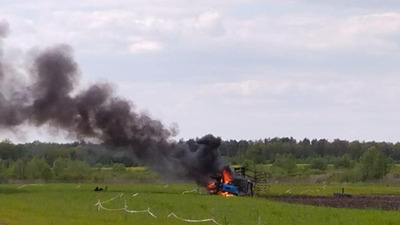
(210, 185)
(224, 193)
(226, 176)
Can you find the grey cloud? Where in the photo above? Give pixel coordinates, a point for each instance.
(4, 29)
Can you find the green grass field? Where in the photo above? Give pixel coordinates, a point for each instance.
(66, 204)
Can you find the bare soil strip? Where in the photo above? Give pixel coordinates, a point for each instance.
(384, 202)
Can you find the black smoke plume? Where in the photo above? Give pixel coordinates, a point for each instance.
(51, 98)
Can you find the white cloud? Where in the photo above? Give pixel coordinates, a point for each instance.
(313, 32)
(358, 4)
(206, 19)
(145, 46)
(251, 87)
(212, 25)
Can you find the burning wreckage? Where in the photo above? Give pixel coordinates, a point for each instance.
(228, 183)
(209, 166)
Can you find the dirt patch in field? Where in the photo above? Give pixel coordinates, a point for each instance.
(385, 202)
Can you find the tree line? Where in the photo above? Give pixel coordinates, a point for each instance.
(38, 160)
(91, 153)
(265, 151)
(259, 151)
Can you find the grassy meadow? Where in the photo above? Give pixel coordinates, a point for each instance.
(66, 203)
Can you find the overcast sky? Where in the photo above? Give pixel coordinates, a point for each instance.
(238, 69)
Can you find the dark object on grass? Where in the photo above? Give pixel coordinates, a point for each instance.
(335, 194)
(100, 189)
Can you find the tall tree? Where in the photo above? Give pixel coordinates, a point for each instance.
(374, 165)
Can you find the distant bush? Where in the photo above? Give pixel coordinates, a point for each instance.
(350, 176)
(3, 170)
(249, 165)
(118, 167)
(285, 162)
(77, 170)
(373, 164)
(319, 164)
(19, 169)
(38, 168)
(59, 166)
(277, 172)
(344, 162)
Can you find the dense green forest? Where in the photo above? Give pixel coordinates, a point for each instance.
(260, 151)
(265, 151)
(74, 161)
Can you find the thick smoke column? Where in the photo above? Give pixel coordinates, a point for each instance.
(97, 113)
(8, 110)
(3, 33)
